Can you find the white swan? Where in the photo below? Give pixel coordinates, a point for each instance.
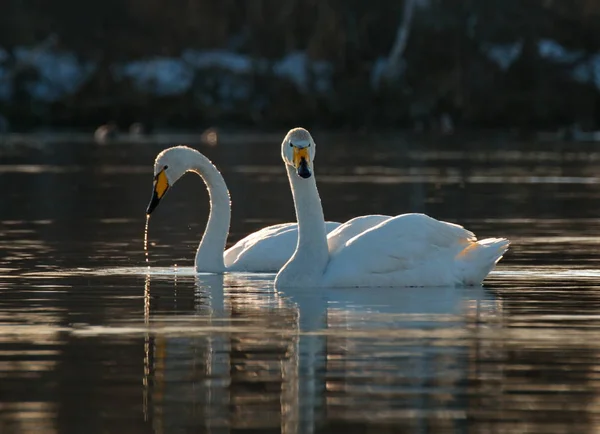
(263, 251)
(405, 250)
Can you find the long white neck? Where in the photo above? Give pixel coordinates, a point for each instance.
(308, 263)
(209, 256)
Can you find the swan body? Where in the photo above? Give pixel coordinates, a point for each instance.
(405, 250)
(266, 250)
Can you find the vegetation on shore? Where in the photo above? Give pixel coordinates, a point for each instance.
(493, 63)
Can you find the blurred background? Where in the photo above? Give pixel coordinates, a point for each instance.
(425, 65)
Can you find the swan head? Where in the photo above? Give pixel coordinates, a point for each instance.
(298, 151)
(169, 166)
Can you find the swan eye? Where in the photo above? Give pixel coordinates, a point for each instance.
(291, 145)
(166, 167)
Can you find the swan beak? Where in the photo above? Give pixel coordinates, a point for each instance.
(301, 160)
(161, 185)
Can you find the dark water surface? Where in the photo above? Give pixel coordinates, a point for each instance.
(92, 341)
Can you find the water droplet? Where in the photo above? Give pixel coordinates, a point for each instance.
(146, 240)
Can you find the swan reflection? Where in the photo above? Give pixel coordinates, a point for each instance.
(255, 358)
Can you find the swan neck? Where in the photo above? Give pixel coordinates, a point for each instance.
(311, 253)
(209, 256)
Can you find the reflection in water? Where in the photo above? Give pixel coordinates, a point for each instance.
(224, 378)
(430, 360)
(297, 359)
(167, 353)
(147, 362)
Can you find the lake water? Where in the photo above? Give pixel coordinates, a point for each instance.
(93, 341)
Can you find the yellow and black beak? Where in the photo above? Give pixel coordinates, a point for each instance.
(301, 162)
(159, 189)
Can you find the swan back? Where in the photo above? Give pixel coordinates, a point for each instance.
(413, 250)
(337, 238)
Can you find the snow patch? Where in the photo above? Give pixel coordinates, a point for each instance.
(552, 50)
(589, 71)
(299, 69)
(504, 55)
(170, 76)
(585, 70)
(377, 71)
(158, 76)
(233, 62)
(223, 76)
(59, 73)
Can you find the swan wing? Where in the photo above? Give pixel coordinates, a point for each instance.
(267, 249)
(406, 250)
(337, 238)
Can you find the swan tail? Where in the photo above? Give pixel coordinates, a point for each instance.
(479, 258)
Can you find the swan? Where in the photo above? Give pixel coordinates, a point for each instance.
(405, 250)
(263, 251)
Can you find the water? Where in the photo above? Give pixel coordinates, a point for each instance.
(92, 340)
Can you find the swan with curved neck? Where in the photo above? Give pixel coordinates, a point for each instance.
(405, 250)
(263, 251)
